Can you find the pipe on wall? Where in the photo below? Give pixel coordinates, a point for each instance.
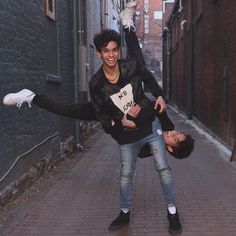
(76, 69)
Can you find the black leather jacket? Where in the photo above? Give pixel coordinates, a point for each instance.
(132, 74)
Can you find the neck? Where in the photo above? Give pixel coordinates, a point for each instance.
(111, 73)
(110, 70)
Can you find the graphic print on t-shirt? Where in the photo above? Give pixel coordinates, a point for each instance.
(124, 98)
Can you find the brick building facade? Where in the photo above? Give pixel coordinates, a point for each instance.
(149, 30)
(199, 64)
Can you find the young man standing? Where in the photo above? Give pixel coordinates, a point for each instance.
(116, 90)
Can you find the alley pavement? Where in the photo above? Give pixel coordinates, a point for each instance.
(85, 199)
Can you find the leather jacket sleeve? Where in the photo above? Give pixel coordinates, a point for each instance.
(110, 126)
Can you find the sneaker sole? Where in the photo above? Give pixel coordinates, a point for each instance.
(7, 100)
(114, 228)
(175, 231)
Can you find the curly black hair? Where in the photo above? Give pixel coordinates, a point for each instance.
(184, 148)
(101, 39)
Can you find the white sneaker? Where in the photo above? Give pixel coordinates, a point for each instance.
(126, 16)
(24, 96)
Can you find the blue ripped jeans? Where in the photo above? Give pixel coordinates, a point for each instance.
(129, 155)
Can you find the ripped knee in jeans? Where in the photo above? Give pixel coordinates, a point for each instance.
(154, 151)
(163, 169)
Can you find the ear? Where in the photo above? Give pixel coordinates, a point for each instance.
(169, 148)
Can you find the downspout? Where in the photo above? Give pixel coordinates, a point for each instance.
(168, 61)
(123, 52)
(81, 50)
(76, 74)
(106, 22)
(192, 58)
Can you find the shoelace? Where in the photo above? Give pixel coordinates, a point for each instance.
(19, 104)
(130, 24)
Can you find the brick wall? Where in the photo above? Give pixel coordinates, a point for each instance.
(202, 67)
(23, 29)
(149, 31)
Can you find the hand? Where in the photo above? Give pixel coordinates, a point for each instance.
(134, 110)
(128, 123)
(161, 103)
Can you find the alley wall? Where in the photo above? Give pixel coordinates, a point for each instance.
(199, 64)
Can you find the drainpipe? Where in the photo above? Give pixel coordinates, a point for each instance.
(167, 33)
(106, 22)
(81, 50)
(76, 74)
(192, 63)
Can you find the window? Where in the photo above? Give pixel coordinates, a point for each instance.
(158, 15)
(50, 9)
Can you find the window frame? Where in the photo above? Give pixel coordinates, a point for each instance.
(51, 13)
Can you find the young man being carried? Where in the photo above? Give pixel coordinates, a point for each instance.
(178, 144)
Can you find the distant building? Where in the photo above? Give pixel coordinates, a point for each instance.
(149, 30)
(199, 48)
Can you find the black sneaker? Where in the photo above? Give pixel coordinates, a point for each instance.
(121, 221)
(174, 223)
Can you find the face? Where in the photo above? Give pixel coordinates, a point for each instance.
(109, 54)
(172, 138)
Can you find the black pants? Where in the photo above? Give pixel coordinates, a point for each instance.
(133, 48)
